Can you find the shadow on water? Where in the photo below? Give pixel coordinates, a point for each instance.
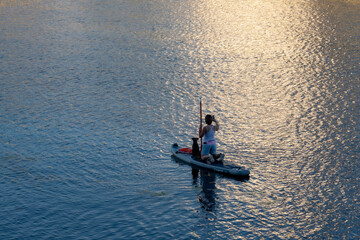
(207, 182)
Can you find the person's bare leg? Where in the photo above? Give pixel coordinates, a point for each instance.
(207, 158)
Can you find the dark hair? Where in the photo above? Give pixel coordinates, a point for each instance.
(208, 119)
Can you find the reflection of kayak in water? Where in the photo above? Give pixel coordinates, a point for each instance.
(219, 167)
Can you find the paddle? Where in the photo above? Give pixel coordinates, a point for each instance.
(201, 125)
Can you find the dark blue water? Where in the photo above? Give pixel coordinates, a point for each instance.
(93, 94)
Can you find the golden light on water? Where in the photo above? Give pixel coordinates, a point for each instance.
(257, 56)
(263, 69)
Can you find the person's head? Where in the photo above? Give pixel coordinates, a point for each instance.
(208, 119)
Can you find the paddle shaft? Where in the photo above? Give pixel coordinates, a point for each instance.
(201, 125)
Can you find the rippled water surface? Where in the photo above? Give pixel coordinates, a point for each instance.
(93, 94)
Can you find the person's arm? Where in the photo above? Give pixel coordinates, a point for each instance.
(202, 131)
(217, 126)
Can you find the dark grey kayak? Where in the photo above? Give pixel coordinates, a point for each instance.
(219, 167)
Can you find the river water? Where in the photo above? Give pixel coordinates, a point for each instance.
(93, 94)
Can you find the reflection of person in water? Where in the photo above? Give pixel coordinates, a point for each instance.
(207, 195)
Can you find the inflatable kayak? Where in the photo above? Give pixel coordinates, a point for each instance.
(220, 167)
